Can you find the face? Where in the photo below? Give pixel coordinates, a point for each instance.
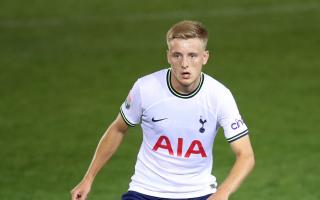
(186, 57)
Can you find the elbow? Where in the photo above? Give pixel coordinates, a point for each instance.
(248, 159)
(251, 160)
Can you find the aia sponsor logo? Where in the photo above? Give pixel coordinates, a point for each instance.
(237, 124)
(195, 147)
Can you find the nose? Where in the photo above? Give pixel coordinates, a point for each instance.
(184, 63)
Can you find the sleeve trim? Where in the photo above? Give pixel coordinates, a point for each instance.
(238, 136)
(125, 119)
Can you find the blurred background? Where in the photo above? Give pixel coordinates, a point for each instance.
(66, 66)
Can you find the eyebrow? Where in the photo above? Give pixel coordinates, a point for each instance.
(190, 53)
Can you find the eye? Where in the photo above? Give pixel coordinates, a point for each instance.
(176, 55)
(193, 55)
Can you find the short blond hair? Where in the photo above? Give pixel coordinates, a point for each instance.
(187, 30)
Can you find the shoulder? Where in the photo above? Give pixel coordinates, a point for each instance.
(214, 86)
(152, 87)
(155, 79)
(154, 76)
(152, 84)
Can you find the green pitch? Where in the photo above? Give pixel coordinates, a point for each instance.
(66, 66)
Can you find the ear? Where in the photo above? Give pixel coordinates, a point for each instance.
(205, 57)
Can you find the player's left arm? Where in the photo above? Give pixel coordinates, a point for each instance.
(242, 167)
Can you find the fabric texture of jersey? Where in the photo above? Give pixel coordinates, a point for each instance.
(175, 158)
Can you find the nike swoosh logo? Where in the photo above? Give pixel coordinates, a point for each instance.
(158, 120)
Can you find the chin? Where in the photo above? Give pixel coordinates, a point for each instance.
(186, 82)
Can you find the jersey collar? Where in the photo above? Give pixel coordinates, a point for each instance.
(184, 96)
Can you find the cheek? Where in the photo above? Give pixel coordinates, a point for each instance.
(173, 61)
(203, 61)
(198, 62)
(198, 65)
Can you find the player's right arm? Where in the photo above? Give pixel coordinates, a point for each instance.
(107, 146)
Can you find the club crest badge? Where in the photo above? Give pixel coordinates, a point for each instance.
(202, 122)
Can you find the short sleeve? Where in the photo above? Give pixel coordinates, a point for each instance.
(230, 119)
(131, 110)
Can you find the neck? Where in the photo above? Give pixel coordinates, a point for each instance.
(184, 89)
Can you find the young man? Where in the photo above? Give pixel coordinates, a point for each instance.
(180, 110)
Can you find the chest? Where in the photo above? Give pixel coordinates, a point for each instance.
(181, 118)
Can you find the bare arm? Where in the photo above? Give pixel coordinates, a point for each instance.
(107, 146)
(243, 165)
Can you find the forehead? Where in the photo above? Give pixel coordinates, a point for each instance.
(186, 45)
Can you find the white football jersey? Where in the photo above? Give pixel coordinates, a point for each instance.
(175, 157)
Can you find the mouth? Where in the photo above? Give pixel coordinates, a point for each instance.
(185, 75)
